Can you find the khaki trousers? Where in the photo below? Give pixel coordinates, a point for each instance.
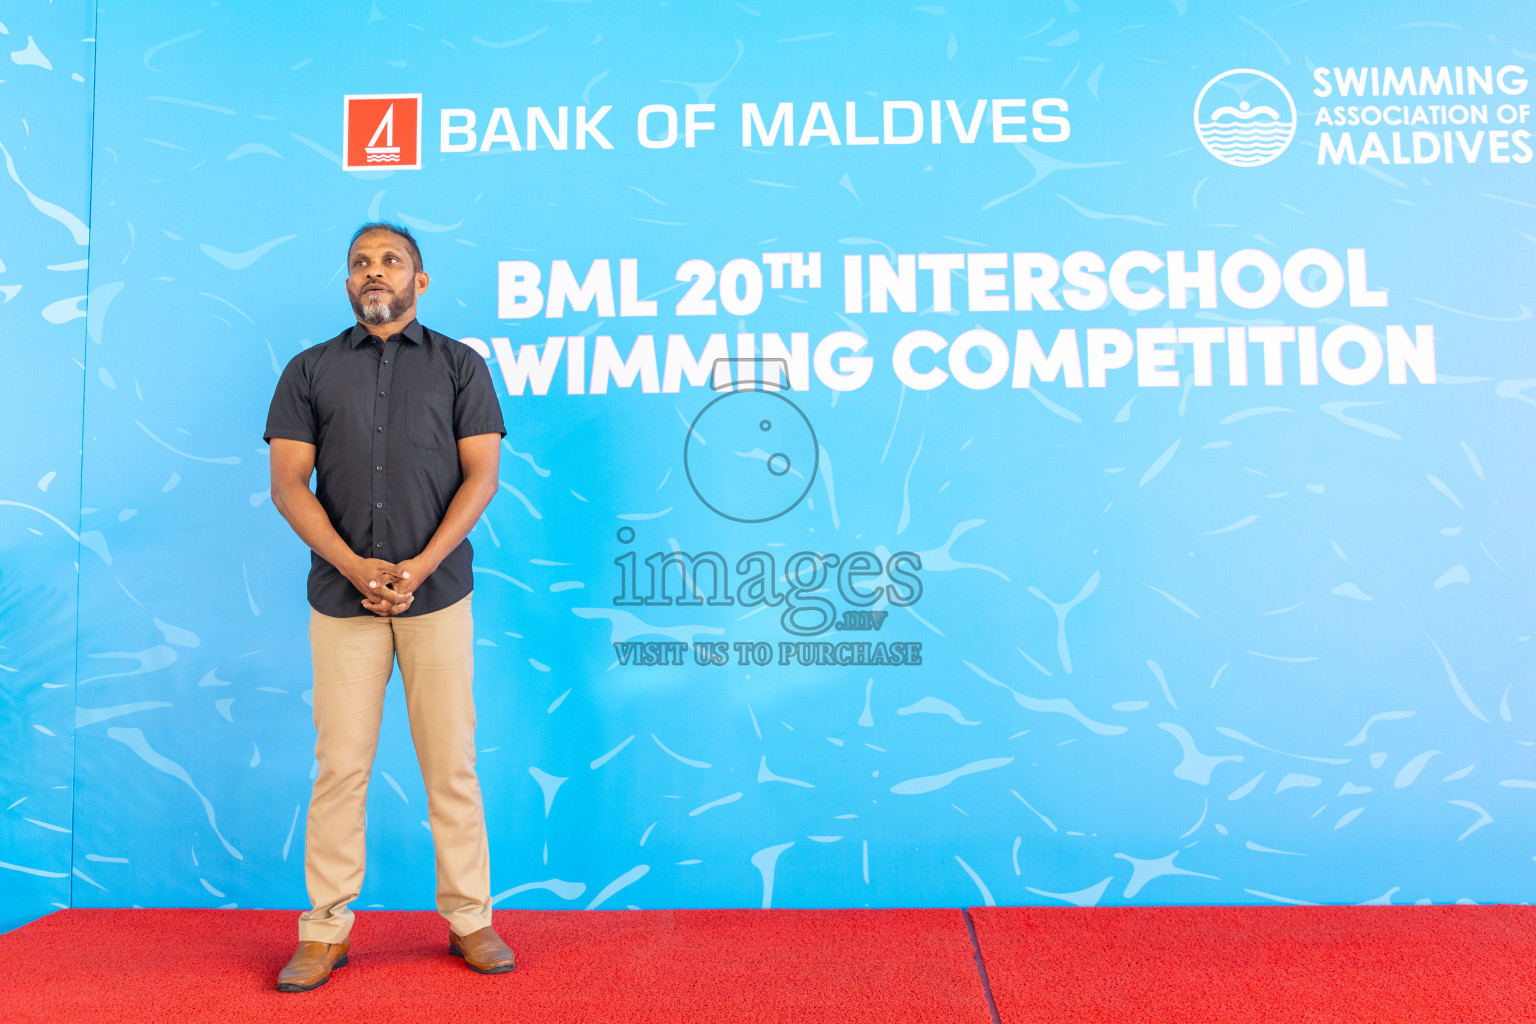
(353, 658)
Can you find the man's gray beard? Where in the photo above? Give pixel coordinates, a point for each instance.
(375, 313)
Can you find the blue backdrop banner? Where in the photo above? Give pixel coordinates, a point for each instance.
(45, 133)
(981, 453)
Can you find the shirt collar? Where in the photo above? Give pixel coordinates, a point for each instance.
(413, 331)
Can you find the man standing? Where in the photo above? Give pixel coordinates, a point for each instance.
(401, 428)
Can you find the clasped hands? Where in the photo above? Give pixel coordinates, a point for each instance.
(388, 588)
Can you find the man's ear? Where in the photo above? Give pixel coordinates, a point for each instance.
(422, 280)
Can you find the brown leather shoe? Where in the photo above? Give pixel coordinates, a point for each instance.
(483, 951)
(311, 965)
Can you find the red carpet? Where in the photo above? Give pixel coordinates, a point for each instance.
(1236, 965)
(625, 967)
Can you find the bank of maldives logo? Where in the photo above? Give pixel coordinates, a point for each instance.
(381, 132)
(1245, 117)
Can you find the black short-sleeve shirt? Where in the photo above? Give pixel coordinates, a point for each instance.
(385, 421)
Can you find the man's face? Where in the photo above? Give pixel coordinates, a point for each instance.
(382, 279)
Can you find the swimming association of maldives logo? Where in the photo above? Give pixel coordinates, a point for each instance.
(1244, 117)
(381, 132)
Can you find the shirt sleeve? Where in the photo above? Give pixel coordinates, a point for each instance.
(476, 409)
(292, 413)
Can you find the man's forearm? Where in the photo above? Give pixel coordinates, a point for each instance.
(464, 511)
(307, 516)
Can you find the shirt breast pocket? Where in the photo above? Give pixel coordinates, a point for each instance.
(429, 419)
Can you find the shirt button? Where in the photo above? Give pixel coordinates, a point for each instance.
(386, 362)
(381, 430)
(381, 394)
(379, 468)
(378, 504)
(379, 544)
